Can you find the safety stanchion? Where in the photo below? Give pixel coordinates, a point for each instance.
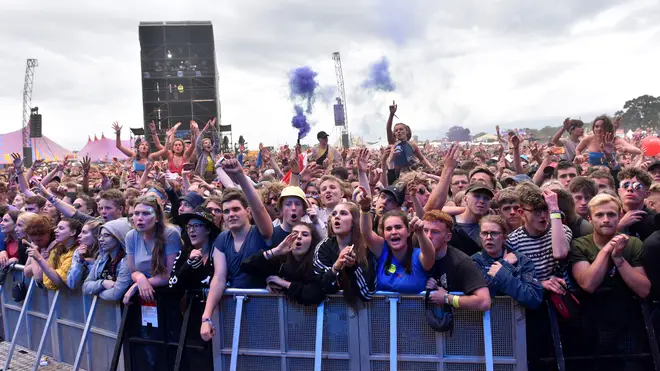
(21, 316)
(318, 345)
(49, 320)
(237, 332)
(83, 339)
(393, 332)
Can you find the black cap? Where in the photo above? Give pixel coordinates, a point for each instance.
(322, 135)
(654, 165)
(481, 188)
(395, 193)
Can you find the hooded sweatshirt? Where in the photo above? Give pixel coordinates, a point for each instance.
(93, 285)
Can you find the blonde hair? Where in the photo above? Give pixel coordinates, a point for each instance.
(604, 198)
(655, 188)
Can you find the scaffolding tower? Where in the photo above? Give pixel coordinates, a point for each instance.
(27, 109)
(345, 138)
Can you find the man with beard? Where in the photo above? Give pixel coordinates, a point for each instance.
(637, 220)
(607, 266)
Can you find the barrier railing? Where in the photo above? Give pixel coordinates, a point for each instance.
(257, 330)
(261, 331)
(70, 326)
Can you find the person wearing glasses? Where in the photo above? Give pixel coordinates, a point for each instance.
(637, 219)
(506, 272)
(109, 276)
(543, 237)
(193, 266)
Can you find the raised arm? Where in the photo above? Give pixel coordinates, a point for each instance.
(190, 151)
(628, 147)
(373, 240)
(517, 161)
(427, 255)
(560, 237)
(259, 213)
(61, 206)
(388, 128)
(154, 135)
(22, 182)
(162, 151)
(124, 150)
(556, 139)
(420, 156)
(438, 196)
(362, 165)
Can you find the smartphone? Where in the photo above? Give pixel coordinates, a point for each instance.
(188, 167)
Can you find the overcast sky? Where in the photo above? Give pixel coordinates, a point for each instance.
(472, 63)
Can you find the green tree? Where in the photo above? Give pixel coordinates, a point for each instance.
(458, 134)
(640, 112)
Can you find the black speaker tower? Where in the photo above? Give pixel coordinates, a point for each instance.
(179, 76)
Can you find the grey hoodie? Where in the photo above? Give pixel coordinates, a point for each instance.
(93, 285)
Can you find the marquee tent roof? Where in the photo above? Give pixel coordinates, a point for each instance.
(103, 150)
(42, 148)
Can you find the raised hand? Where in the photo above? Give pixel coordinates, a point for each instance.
(286, 246)
(416, 225)
(37, 163)
(232, 167)
(152, 126)
(212, 123)
(393, 108)
(551, 199)
(363, 160)
(567, 123)
(363, 199)
(450, 157)
(116, 127)
(86, 164)
(17, 161)
(193, 126)
(607, 145)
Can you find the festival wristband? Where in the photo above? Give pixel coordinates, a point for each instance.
(363, 211)
(555, 216)
(455, 301)
(208, 320)
(446, 299)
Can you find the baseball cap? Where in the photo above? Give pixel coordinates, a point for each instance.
(322, 135)
(480, 188)
(654, 166)
(395, 193)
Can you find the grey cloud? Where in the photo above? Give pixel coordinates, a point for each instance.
(544, 73)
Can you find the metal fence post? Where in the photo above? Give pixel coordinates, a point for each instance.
(49, 320)
(83, 339)
(393, 332)
(237, 332)
(318, 347)
(21, 316)
(488, 342)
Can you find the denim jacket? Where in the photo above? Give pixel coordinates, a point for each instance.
(517, 280)
(77, 272)
(93, 285)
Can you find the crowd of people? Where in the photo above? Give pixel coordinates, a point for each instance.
(570, 220)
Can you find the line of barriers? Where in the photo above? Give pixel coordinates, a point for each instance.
(257, 331)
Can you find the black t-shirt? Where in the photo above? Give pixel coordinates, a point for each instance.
(456, 272)
(652, 262)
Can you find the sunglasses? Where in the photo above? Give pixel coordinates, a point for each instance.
(636, 186)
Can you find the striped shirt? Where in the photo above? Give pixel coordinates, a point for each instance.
(537, 249)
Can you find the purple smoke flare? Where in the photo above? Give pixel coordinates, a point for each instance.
(299, 121)
(302, 82)
(379, 77)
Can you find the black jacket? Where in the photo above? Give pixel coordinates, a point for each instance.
(362, 279)
(306, 288)
(643, 228)
(191, 275)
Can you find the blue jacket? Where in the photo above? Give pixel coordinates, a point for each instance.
(517, 281)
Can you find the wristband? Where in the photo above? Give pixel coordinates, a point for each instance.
(618, 265)
(363, 211)
(555, 216)
(454, 302)
(446, 299)
(208, 320)
(295, 173)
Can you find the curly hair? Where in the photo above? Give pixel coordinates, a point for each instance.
(530, 195)
(608, 127)
(271, 188)
(632, 172)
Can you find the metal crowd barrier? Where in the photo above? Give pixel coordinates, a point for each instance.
(260, 331)
(257, 331)
(65, 325)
